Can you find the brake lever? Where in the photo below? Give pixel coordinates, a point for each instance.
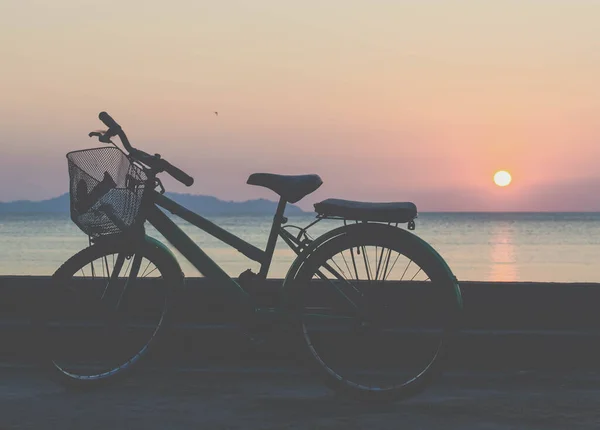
(101, 135)
(105, 139)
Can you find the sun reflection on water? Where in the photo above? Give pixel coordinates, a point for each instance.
(503, 261)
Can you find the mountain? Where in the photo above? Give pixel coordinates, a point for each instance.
(58, 204)
(209, 205)
(204, 205)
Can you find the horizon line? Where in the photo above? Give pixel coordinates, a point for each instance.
(545, 211)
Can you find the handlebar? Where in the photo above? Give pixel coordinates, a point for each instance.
(109, 121)
(178, 174)
(153, 161)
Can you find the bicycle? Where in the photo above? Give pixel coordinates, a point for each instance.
(339, 298)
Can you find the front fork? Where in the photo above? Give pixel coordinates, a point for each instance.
(112, 295)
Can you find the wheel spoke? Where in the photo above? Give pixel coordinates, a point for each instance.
(147, 265)
(387, 262)
(345, 262)
(378, 261)
(150, 272)
(391, 268)
(405, 269)
(418, 271)
(367, 266)
(354, 263)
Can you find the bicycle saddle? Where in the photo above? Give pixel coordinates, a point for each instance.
(292, 188)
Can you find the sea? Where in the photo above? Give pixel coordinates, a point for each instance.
(503, 247)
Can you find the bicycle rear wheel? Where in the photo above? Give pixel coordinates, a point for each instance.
(109, 306)
(377, 307)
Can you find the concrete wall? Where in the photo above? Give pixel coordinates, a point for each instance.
(505, 325)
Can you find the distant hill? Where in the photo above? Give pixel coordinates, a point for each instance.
(55, 205)
(205, 205)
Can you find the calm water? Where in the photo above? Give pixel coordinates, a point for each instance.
(484, 247)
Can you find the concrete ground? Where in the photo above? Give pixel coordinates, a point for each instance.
(253, 399)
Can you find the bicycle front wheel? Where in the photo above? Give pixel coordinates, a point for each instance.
(377, 307)
(110, 304)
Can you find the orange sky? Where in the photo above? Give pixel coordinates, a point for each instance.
(386, 100)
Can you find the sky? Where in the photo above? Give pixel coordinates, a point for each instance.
(385, 100)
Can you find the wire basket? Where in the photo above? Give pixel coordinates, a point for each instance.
(106, 191)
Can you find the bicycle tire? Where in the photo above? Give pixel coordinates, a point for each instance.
(447, 293)
(170, 279)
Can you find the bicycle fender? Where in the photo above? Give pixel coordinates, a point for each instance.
(445, 264)
(348, 229)
(158, 244)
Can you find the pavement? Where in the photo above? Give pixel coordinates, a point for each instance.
(252, 399)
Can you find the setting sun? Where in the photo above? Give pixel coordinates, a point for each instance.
(502, 178)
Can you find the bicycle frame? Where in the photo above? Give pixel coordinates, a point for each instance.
(199, 259)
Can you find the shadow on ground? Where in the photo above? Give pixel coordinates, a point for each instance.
(279, 400)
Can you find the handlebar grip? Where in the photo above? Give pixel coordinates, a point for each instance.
(109, 122)
(178, 174)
